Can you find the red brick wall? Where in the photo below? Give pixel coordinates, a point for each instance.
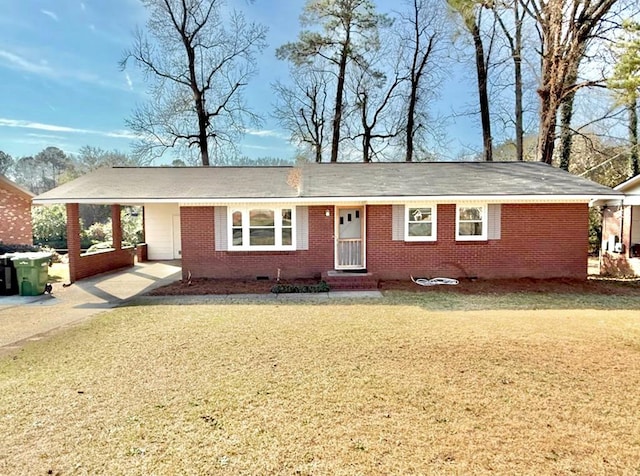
(200, 259)
(15, 218)
(84, 266)
(537, 240)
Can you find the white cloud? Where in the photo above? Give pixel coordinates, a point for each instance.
(50, 14)
(83, 7)
(21, 124)
(122, 134)
(46, 136)
(40, 126)
(18, 62)
(129, 82)
(265, 133)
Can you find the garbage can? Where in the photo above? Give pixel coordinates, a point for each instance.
(8, 278)
(32, 271)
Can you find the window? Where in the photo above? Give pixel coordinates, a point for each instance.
(261, 228)
(471, 222)
(420, 223)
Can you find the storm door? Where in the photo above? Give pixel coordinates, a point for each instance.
(350, 243)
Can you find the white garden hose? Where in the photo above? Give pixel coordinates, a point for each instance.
(434, 281)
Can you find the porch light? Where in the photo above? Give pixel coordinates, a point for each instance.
(327, 213)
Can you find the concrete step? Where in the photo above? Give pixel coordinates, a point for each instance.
(344, 280)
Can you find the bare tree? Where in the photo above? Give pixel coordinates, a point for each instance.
(349, 31)
(513, 33)
(197, 58)
(420, 32)
(302, 108)
(470, 12)
(566, 28)
(375, 97)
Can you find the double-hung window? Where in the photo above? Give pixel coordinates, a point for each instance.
(420, 223)
(471, 222)
(261, 228)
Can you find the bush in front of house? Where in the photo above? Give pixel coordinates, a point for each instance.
(281, 288)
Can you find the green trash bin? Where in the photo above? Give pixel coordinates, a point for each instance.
(32, 270)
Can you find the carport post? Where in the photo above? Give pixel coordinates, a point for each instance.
(116, 226)
(73, 239)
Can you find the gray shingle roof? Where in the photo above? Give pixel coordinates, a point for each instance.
(333, 181)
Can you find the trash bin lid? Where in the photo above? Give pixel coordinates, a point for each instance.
(31, 256)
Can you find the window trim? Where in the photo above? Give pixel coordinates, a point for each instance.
(434, 222)
(245, 211)
(485, 222)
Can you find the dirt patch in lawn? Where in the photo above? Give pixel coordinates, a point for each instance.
(593, 285)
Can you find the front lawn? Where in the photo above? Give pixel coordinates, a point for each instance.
(327, 389)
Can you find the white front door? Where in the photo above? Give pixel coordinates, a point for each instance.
(350, 243)
(177, 237)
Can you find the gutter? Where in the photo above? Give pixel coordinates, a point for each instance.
(366, 200)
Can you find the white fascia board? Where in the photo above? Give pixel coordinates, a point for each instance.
(340, 200)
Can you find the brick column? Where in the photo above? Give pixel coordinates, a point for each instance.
(116, 227)
(73, 239)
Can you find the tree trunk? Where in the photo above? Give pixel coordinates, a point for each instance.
(202, 134)
(413, 97)
(566, 136)
(337, 116)
(481, 71)
(366, 146)
(566, 114)
(517, 60)
(634, 166)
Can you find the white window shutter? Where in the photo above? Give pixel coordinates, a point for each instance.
(494, 216)
(397, 222)
(220, 228)
(302, 228)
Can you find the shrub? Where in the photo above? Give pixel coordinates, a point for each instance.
(281, 288)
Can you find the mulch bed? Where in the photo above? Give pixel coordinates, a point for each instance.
(593, 285)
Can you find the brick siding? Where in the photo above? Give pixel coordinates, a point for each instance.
(537, 240)
(200, 259)
(15, 217)
(86, 265)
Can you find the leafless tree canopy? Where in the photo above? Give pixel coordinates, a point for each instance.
(197, 56)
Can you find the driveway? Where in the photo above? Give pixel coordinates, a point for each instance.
(29, 318)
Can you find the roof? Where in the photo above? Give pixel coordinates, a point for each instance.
(371, 182)
(631, 186)
(4, 181)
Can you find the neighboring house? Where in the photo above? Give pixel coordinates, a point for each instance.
(453, 219)
(620, 253)
(15, 214)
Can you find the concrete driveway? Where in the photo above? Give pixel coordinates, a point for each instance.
(25, 318)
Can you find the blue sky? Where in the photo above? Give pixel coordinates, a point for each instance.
(61, 84)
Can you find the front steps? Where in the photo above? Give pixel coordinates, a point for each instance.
(350, 281)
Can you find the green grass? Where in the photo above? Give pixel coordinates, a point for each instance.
(359, 388)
